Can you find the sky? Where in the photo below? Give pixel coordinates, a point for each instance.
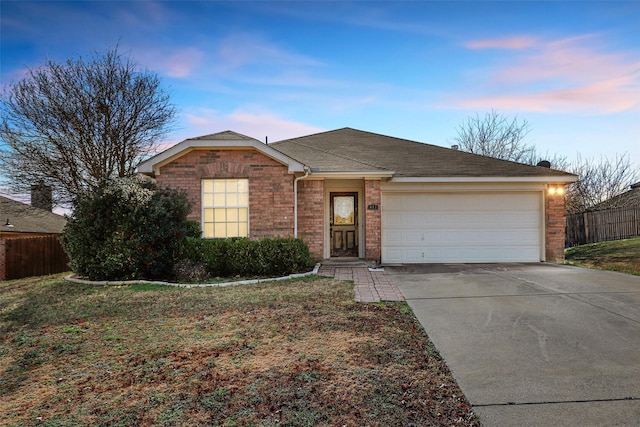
(414, 70)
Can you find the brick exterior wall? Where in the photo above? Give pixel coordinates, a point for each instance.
(555, 224)
(311, 216)
(372, 221)
(270, 186)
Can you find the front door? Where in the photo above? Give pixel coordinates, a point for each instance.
(344, 224)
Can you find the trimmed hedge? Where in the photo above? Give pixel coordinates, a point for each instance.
(244, 257)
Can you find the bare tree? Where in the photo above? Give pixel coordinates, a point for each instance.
(71, 124)
(495, 135)
(599, 182)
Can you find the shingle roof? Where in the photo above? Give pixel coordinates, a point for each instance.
(630, 198)
(352, 150)
(227, 135)
(27, 219)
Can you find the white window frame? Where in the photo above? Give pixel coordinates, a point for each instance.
(212, 200)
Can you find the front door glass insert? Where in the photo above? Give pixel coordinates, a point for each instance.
(343, 210)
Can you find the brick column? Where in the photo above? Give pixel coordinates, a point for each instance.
(555, 225)
(372, 221)
(311, 216)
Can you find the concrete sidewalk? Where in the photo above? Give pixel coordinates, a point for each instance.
(371, 286)
(534, 344)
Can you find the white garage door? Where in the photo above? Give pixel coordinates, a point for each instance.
(461, 227)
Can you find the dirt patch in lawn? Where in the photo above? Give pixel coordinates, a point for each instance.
(296, 353)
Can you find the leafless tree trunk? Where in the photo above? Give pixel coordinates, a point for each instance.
(71, 124)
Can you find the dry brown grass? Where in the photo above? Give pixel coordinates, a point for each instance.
(291, 353)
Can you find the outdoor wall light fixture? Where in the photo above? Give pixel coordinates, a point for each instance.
(555, 190)
(8, 224)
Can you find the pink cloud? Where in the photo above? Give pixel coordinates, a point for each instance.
(562, 75)
(254, 124)
(520, 42)
(178, 63)
(610, 96)
(567, 59)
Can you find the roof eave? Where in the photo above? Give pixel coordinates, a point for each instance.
(547, 178)
(352, 174)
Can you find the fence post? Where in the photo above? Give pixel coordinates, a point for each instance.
(585, 218)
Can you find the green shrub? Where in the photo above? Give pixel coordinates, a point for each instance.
(126, 229)
(244, 257)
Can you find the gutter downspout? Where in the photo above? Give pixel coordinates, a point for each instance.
(307, 171)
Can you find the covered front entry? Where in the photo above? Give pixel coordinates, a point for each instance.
(470, 227)
(343, 223)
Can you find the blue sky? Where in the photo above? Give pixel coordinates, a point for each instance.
(414, 70)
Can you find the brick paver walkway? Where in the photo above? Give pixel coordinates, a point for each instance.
(371, 286)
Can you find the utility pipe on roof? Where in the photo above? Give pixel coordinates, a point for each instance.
(307, 171)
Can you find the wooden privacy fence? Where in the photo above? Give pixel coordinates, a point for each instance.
(32, 256)
(600, 226)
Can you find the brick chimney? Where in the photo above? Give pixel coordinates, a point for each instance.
(41, 196)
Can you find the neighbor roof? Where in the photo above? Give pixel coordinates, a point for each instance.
(352, 150)
(630, 198)
(27, 219)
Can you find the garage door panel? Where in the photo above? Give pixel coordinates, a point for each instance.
(461, 227)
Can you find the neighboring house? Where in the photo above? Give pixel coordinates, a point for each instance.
(628, 199)
(350, 193)
(42, 255)
(22, 220)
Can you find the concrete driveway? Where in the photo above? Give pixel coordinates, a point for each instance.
(534, 344)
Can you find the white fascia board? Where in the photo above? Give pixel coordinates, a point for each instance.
(482, 179)
(152, 166)
(353, 175)
(447, 187)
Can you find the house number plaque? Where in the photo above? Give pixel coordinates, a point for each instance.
(373, 207)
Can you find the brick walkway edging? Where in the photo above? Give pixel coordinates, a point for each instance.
(371, 285)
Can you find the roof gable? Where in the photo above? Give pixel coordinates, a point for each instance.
(355, 150)
(227, 140)
(227, 135)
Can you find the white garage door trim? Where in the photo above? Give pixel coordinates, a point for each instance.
(462, 227)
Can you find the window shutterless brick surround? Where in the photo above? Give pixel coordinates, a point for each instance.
(270, 186)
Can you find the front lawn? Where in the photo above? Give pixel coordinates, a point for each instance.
(296, 353)
(617, 255)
